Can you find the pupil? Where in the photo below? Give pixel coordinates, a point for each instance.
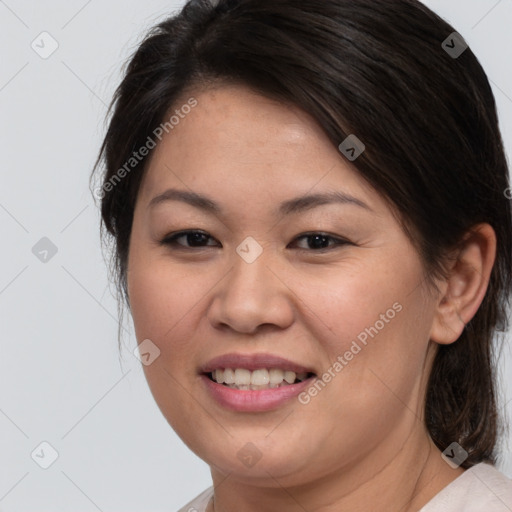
(316, 238)
(195, 238)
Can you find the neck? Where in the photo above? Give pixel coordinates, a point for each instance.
(404, 482)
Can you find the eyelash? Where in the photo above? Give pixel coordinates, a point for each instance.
(171, 240)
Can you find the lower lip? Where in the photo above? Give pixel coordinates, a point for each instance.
(242, 400)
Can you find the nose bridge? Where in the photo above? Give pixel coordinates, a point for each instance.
(251, 271)
(251, 280)
(251, 294)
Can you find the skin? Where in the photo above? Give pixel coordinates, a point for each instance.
(364, 432)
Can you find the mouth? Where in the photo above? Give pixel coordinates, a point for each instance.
(255, 380)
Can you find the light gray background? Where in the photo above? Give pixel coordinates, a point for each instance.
(61, 378)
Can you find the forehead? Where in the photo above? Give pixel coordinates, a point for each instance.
(235, 140)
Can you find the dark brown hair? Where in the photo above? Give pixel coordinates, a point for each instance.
(376, 69)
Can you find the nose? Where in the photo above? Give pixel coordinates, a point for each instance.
(252, 295)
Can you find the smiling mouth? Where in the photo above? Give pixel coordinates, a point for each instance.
(244, 379)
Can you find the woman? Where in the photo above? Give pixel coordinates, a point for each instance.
(308, 204)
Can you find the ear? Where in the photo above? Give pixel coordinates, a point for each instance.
(464, 289)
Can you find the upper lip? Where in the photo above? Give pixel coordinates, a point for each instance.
(253, 362)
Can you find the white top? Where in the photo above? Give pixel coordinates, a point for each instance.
(481, 487)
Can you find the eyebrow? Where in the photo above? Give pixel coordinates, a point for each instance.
(291, 206)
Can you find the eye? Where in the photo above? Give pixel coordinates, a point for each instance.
(193, 238)
(320, 241)
(316, 242)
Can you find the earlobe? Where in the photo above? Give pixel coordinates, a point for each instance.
(466, 284)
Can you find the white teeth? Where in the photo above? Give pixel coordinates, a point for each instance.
(229, 376)
(242, 377)
(276, 376)
(289, 377)
(263, 378)
(260, 377)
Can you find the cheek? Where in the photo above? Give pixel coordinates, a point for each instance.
(150, 308)
(349, 305)
(162, 298)
(379, 361)
(163, 307)
(375, 330)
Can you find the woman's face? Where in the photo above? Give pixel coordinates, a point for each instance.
(279, 278)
